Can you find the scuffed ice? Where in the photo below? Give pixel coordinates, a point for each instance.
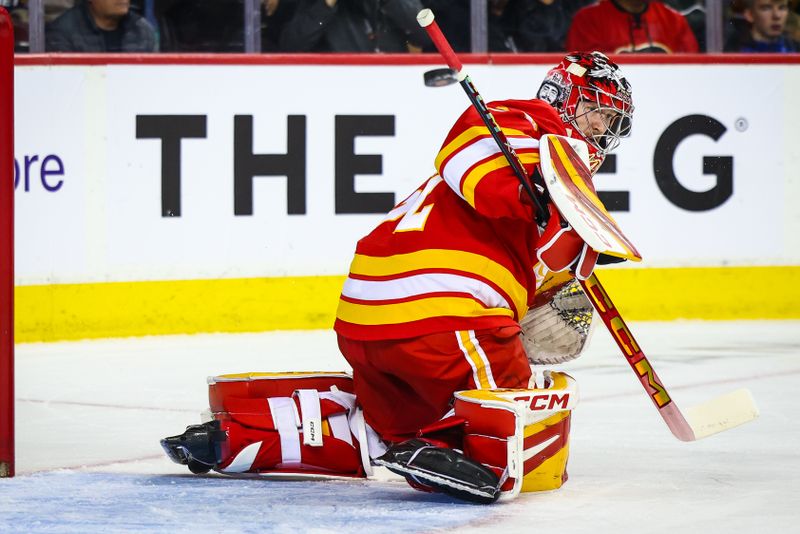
(62, 502)
(90, 415)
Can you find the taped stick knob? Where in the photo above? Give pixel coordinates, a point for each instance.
(425, 18)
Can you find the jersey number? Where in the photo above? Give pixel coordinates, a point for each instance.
(412, 211)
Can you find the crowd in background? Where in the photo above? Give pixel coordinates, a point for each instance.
(290, 26)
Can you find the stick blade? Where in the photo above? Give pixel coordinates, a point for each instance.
(722, 413)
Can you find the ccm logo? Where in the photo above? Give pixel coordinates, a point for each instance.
(550, 401)
(312, 431)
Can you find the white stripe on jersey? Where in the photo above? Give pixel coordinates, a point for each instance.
(466, 157)
(421, 284)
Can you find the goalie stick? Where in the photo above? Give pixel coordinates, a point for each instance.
(716, 415)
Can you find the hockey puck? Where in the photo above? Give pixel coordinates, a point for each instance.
(439, 77)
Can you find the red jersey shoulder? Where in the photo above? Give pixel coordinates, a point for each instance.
(535, 117)
(547, 119)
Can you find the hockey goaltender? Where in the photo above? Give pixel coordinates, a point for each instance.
(449, 301)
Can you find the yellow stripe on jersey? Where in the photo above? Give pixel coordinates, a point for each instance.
(438, 259)
(465, 137)
(481, 374)
(474, 176)
(414, 310)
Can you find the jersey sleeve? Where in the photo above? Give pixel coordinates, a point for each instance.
(473, 166)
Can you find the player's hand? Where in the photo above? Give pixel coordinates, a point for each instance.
(560, 248)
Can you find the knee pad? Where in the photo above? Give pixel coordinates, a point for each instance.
(521, 434)
(291, 424)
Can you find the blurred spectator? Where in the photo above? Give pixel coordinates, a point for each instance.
(793, 22)
(503, 22)
(694, 11)
(201, 25)
(354, 26)
(453, 18)
(19, 20)
(766, 28)
(275, 14)
(615, 26)
(54, 8)
(217, 25)
(100, 26)
(513, 25)
(544, 25)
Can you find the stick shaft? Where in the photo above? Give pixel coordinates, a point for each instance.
(638, 361)
(594, 290)
(427, 21)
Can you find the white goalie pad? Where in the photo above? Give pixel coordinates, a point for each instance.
(558, 330)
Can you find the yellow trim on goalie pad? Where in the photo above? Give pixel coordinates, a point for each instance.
(548, 476)
(241, 377)
(122, 309)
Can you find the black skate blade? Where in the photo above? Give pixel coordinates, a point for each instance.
(443, 470)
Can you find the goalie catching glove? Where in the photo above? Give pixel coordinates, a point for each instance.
(559, 324)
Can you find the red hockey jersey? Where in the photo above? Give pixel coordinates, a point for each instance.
(607, 28)
(458, 253)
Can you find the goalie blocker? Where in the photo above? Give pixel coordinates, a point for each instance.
(307, 425)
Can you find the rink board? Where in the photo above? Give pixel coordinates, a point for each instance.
(120, 309)
(169, 195)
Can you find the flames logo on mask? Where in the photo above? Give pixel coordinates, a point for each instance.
(602, 73)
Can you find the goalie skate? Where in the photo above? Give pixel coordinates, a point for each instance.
(198, 447)
(432, 468)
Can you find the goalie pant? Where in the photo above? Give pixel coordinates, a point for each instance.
(405, 385)
(307, 425)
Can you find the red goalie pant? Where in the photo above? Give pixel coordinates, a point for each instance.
(408, 384)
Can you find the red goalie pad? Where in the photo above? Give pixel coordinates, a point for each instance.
(264, 385)
(521, 434)
(289, 424)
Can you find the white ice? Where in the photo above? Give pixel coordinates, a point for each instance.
(90, 415)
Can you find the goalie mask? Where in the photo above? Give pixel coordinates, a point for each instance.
(595, 80)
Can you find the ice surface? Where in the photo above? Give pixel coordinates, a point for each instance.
(90, 414)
